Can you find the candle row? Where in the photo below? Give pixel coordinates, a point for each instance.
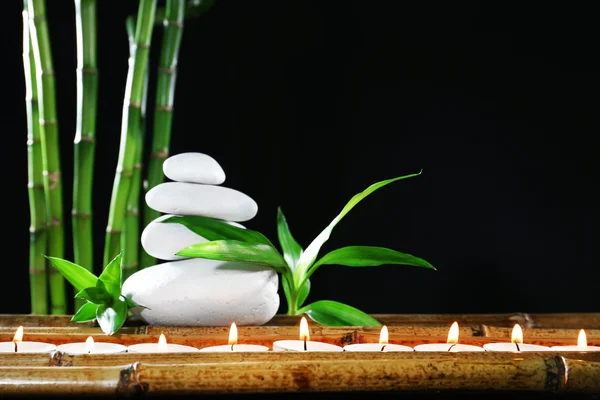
(303, 344)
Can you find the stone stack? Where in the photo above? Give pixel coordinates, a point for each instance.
(199, 292)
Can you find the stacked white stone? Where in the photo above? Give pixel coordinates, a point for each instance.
(199, 291)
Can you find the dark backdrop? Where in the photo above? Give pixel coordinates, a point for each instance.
(305, 104)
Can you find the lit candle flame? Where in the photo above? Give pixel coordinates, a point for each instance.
(304, 333)
(89, 344)
(162, 343)
(18, 335)
(582, 339)
(233, 335)
(453, 334)
(384, 336)
(517, 335)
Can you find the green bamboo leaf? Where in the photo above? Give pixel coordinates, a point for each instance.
(77, 276)
(213, 229)
(111, 277)
(333, 313)
(94, 295)
(303, 293)
(286, 283)
(291, 249)
(86, 312)
(111, 318)
(311, 252)
(235, 250)
(367, 256)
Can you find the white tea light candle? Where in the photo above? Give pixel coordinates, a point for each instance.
(161, 347)
(91, 347)
(19, 346)
(581, 345)
(516, 343)
(233, 346)
(304, 344)
(451, 344)
(382, 346)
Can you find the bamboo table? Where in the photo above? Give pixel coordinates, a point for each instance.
(270, 372)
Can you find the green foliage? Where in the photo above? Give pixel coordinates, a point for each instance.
(103, 294)
(230, 243)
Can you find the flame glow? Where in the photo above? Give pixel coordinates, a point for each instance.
(89, 344)
(162, 343)
(517, 335)
(233, 335)
(453, 334)
(582, 339)
(384, 336)
(18, 335)
(304, 333)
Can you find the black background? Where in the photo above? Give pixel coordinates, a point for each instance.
(305, 104)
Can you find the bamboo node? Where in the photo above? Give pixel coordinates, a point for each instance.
(142, 45)
(164, 153)
(38, 19)
(132, 266)
(31, 185)
(35, 271)
(126, 172)
(31, 142)
(53, 178)
(138, 166)
(55, 221)
(76, 213)
(167, 70)
(556, 373)
(59, 360)
(134, 104)
(133, 213)
(91, 71)
(82, 138)
(112, 231)
(129, 382)
(33, 229)
(45, 122)
(172, 22)
(48, 72)
(164, 108)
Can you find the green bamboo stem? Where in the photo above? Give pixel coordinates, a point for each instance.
(163, 113)
(131, 229)
(38, 240)
(132, 107)
(87, 94)
(40, 41)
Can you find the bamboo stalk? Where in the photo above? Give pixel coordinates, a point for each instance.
(411, 372)
(500, 373)
(132, 105)
(38, 240)
(97, 360)
(131, 231)
(60, 381)
(163, 114)
(540, 333)
(85, 141)
(23, 359)
(40, 40)
(27, 320)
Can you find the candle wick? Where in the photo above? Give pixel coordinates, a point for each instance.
(517, 344)
(383, 347)
(232, 347)
(450, 348)
(16, 347)
(304, 344)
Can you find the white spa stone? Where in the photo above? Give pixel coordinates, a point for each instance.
(163, 241)
(194, 168)
(202, 292)
(205, 200)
